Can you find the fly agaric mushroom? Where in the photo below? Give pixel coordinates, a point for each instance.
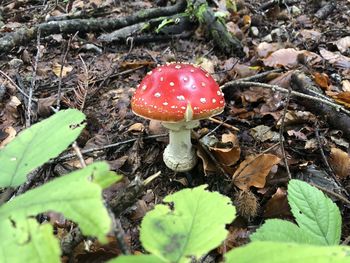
(178, 95)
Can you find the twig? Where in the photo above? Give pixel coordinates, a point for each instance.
(281, 138)
(32, 84)
(16, 86)
(328, 167)
(223, 124)
(79, 154)
(329, 192)
(71, 155)
(63, 59)
(243, 84)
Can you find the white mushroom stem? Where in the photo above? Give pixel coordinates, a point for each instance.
(179, 155)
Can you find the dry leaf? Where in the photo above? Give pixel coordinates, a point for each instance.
(253, 171)
(263, 133)
(342, 98)
(56, 68)
(345, 85)
(156, 127)
(264, 49)
(277, 206)
(343, 44)
(335, 58)
(228, 151)
(136, 127)
(322, 80)
(11, 135)
(340, 162)
(208, 165)
(290, 58)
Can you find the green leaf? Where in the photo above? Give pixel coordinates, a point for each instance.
(137, 259)
(27, 241)
(281, 231)
(38, 144)
(273, 252)
(315, 213)
(194, 226)
(74, 195)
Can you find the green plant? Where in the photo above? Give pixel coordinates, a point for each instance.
(198, 217)
(318, 219)
(75, 195)
(191, 227)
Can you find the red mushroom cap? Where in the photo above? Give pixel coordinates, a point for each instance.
(178, 92)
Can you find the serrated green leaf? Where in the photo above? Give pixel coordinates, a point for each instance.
(137, 259)
(74, 195)
(315, 213)
(194, 226)
(273, 252)
(27, 241)
(280, 231)
(38, 144)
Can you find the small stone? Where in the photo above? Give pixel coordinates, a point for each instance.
(267, 38)
(295, 11)
(15, 63)
(255, 31)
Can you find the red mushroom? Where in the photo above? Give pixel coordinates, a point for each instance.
(179, 95)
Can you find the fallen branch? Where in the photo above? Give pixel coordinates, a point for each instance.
(24, 35)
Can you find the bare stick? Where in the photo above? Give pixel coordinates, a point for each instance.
(281, 134)
(32, 84)
(79, 154)
(243, 84)
(71, 155)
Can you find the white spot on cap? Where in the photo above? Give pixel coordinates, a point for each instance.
(195, 108)
(218, 92)
(155, 106)
(207, 75)
(203, 100)
(144, 87)
(165, 103)
(213, 100)
(185, 78)
(159, 69)
(161, 78)
(138, 85)
(183, 107)
(177, 66)
(157, 95)
(180, 97)
(203, 84)
(173, 107)
(172, 84)
(192, 70)
(221, 102)
(193, 87)
(149, 73)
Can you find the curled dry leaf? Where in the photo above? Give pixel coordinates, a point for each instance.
(335, 58)
(253, 171)
(11, 132)
(228, 151)
(277, 206)
(264, 49)
(290, 58)
(322, 80)
(208, 165)
(340, 162)
(343, 44)
(56, 69)
(136, 127)
(341, 97)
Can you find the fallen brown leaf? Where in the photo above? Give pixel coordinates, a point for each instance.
(253, 171)
(322, 80)
(228, 151)
(277, 206)
(340, 162)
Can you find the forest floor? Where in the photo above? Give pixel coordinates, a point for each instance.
(287, 103)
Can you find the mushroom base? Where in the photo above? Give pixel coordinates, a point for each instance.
(179, 155)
